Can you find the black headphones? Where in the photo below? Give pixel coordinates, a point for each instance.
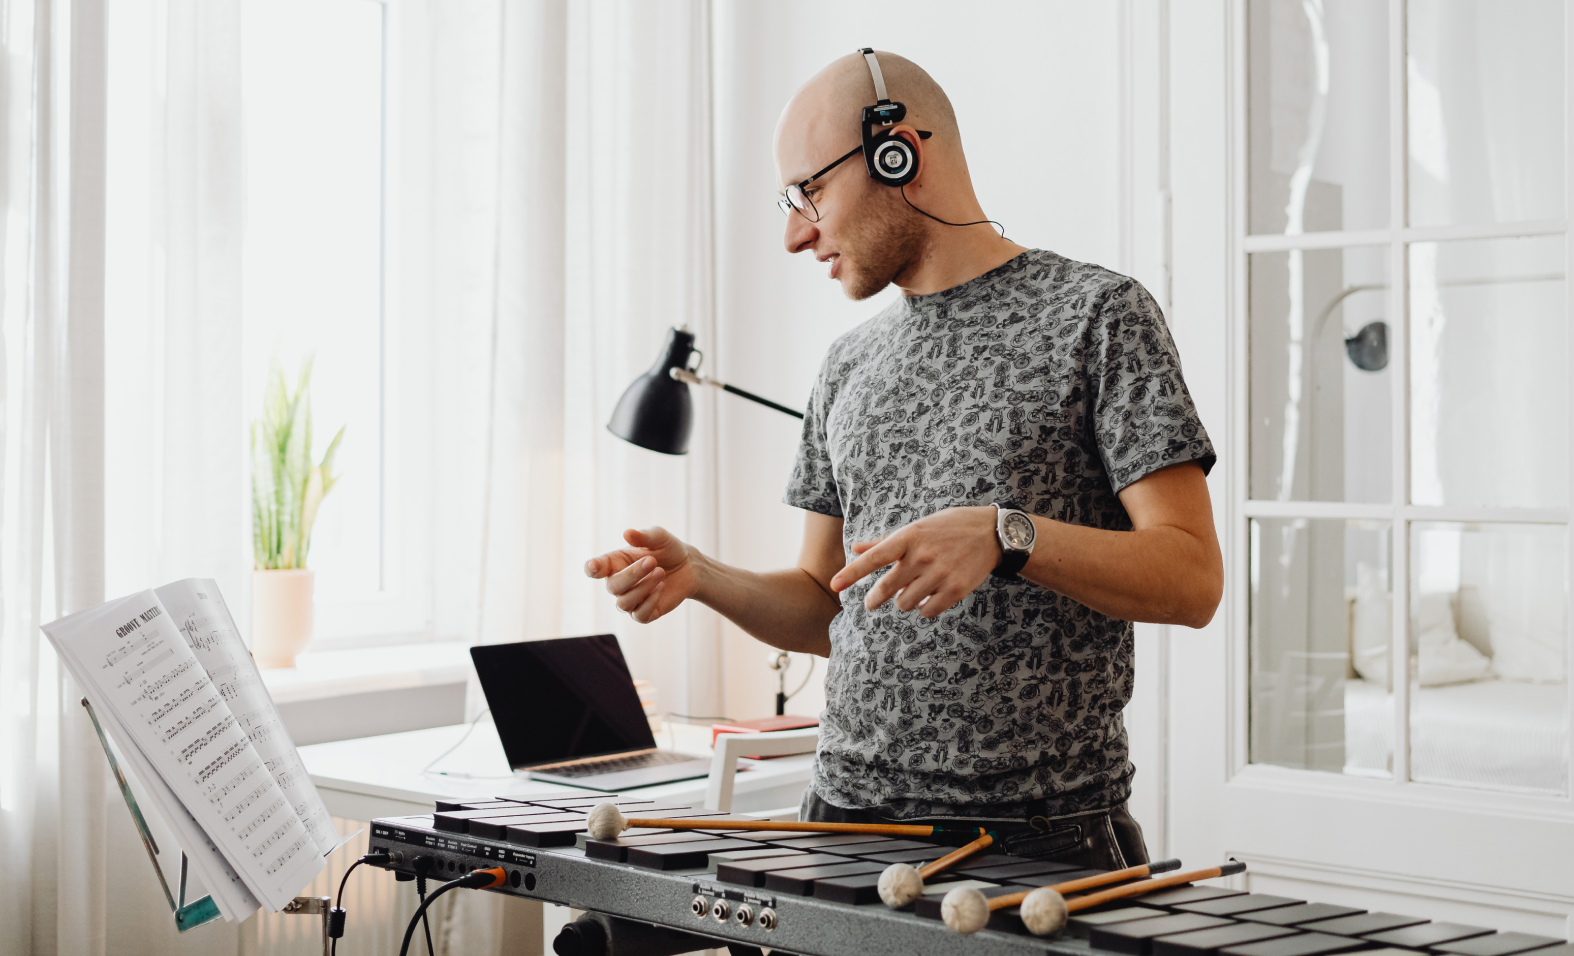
(889, 158)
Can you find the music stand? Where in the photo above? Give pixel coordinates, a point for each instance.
(189, 915)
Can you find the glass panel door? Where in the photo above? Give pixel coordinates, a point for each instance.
(1407, 492)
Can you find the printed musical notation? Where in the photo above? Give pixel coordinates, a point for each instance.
(209, 736)
(143, 667)
(260, 848)
(219, 796)
(287, 854)
(235, 749)
(154, 689)
(202, 710)
(187, 700)
(170, 706)
(245, 802)
(260, 819)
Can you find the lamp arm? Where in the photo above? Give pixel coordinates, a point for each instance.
(694, 378)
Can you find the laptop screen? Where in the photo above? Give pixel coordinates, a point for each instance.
(561, 699)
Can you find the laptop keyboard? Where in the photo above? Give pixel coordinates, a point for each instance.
(616, 763)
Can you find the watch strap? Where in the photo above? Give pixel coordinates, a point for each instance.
(1010, 563)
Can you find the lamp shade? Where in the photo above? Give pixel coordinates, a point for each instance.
(656, 411)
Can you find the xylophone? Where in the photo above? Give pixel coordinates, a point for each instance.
(818, 895)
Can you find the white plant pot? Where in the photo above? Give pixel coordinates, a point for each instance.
(281, 615)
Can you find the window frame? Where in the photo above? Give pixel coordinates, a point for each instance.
(401, 612)
(1397, 237)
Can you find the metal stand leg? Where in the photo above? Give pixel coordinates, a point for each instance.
(186, 916)
(313, 906)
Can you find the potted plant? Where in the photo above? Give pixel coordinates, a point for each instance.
(286, 491)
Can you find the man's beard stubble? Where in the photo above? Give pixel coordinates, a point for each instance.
(880, 244)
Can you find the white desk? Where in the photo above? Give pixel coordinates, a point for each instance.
(382, 776)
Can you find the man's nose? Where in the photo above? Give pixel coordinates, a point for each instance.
(801, 233)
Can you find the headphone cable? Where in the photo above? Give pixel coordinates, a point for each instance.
(942, 222)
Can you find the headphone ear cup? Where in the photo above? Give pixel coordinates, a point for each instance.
(891, 160)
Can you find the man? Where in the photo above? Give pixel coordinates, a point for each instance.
(1005, 379)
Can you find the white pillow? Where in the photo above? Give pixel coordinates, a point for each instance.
(1444, 657)
(1371, 621)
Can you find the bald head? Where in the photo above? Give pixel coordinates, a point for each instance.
(821, 119)
(873, 235)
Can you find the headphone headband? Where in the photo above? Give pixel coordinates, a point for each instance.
(874, 70)
(888, 158)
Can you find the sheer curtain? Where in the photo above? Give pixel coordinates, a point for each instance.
(52, 774)
(566, 223)
(572, 228)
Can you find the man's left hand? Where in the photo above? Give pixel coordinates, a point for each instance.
(938, 560)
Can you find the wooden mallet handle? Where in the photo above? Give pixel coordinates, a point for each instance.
(700, 823)
(1104, 879)
(1148, 886)
(960, 853)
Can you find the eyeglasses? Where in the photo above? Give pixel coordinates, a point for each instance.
(797, 198)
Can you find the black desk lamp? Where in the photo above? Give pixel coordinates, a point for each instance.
(656, 411)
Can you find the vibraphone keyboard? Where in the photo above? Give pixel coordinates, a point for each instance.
(816, 895)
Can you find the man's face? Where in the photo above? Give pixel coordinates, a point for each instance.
(865, 232)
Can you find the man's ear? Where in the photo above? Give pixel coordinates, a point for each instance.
(912, 136)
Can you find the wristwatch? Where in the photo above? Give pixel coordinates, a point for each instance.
(1016, 533)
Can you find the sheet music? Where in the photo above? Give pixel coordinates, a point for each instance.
(152, 684)
(203, 618)
(218, 878)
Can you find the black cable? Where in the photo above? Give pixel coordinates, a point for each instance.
(338, 904)
(980, 222)
(336, 914)
(420, 892)
(806, 678)
(475, 878)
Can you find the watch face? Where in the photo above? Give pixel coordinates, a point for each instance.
(1018, 531)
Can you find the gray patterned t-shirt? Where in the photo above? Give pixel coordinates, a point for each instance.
(1046, 385)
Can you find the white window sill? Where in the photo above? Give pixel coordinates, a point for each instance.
(319, 675)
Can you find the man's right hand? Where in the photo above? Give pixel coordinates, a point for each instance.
(650, 578)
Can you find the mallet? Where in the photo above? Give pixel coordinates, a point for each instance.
(1045, 909)
(607, 821)
(901, 883)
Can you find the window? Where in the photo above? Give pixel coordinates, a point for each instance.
(320, 211)
(1407, 409)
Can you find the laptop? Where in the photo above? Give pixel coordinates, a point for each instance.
(567, 712)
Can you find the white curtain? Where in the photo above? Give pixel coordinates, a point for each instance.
(53, 798)
(572, 229)
(570, 225)
(142, 306)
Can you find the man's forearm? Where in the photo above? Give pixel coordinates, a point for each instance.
(786, 609)
(1163, 575)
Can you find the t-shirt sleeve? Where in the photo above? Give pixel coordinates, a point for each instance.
(1144, 418)
(812, 486)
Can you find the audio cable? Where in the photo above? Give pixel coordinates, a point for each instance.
(423, 866)
(979, 222)
(475, 880)
(336, 914)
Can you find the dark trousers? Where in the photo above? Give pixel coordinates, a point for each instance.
(1097, 839)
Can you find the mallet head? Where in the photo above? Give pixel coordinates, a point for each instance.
(965, 910)
(1044, 911)
(605, 822)
(899, 885)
